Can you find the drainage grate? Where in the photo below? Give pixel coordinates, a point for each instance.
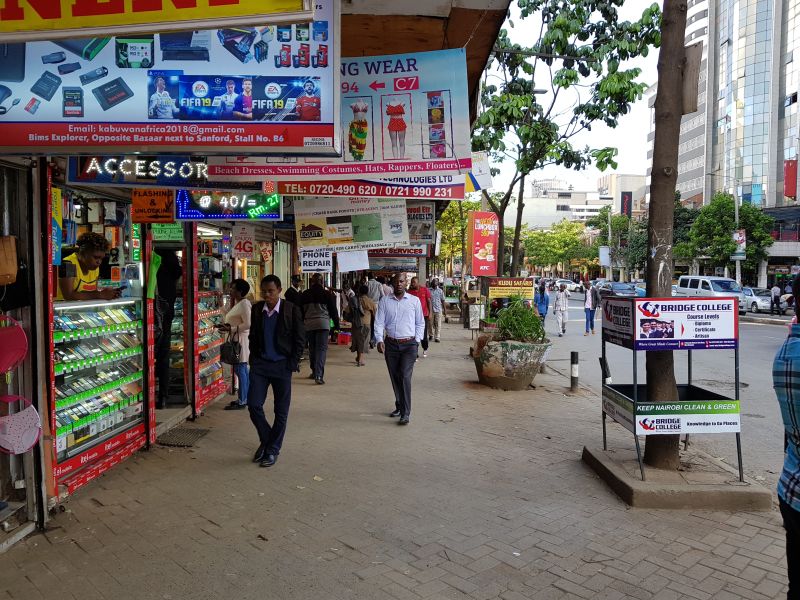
(182, 437)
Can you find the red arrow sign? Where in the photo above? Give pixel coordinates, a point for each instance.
(377, 86)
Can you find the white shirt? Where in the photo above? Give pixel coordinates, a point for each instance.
(238, 318)
(588, 302)
(776, 291)
(399, 318)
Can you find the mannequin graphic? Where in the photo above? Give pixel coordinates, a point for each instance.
(359, 127)
(397, 128)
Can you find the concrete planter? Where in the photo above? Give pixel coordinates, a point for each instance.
(508, 364)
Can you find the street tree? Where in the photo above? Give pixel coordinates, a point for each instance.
(562, 244)
(453, 225)
(579, 58)
(617, 238)
(634, 253)
(682, 220)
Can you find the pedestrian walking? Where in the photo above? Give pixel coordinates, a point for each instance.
(276, 342)
(424, 296)
(541, 300)
(236, 324)
(293, 293)
(361, 313)
(375, 293)
(319, 309)
(590, 304)
(561, 309)
(775, 299)
(437, 310)
(786, 381)
(399, 328)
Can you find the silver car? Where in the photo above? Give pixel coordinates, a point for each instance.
(759, 299)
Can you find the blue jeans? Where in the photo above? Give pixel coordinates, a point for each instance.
(243, 377)
(263, 374)
(589, 318)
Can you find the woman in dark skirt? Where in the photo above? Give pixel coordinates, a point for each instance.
(362, 312)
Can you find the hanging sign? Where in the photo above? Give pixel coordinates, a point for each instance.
(506, 287)
(167, 232)
(264, 252)
(152, 205)
(740, 239)
(402, 115)
(351, 224)
(445, 187)
(480, 175)
(51, 19)
(421, 225)
(483, 230)
(57, 218)
(394, 264)
(267, 89)
(411, 251)
(231, 205)
(355, 260)
(316, 261)
(242, 242)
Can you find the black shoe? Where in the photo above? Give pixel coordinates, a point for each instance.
(233, 403)
(260, 453)
(235, 406)
(320, 381)
(437, 341)
(269, 460)
(394, 413)
(403, 421)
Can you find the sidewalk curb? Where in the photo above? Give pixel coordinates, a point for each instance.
(764, 320)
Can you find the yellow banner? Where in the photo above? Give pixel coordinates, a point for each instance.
(43, 19)
(506, 287)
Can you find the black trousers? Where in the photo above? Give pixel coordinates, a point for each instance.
(162, 354)
(774, 303)
(400, 360)
(318, 350)
(791, 522)
(263, 374)
(425, 337)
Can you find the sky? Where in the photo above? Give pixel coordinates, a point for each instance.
(629, 137)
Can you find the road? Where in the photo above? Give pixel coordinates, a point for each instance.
(762, 430)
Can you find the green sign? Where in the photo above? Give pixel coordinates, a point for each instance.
(136, 237)
(167, 232)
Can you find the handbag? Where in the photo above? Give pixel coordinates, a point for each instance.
(231, 350)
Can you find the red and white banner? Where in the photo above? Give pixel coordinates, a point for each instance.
(446, 187)
(483, 230)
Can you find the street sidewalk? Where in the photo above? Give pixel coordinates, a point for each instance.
(483, 496)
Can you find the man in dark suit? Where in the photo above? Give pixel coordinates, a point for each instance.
(277, 337)
(293, 293)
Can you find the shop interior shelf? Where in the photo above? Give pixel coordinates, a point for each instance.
(209, 313)
(106, 435)
(81, 334)
(70, 400)
(78, 365)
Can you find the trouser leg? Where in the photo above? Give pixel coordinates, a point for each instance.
(587, 316)
(312, 352)
(791, 522)
(162, 355)
(408, 356)
(323, 335)
(257, 394)
(392, 355)
(282, 390)
(243, 375)
(437, 325)
(425, 337)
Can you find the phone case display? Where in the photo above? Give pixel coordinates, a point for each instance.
(209, 377)
(177, 358)
(97, 382)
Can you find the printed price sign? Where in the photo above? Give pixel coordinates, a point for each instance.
(243, 242)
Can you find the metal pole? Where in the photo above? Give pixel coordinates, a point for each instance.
(573, 371)
(635, 410)
(736, 397)
(602, 387)
(736, 218)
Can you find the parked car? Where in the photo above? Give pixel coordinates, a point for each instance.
(615, 288)
(674, 290)
(570, 285)
(641, 290)
(758, 299)
(706, 285)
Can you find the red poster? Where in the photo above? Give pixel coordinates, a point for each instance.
(484, 230)
(790, 178)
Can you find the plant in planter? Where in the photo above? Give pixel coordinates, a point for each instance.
(510, 357)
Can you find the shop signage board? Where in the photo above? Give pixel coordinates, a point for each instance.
(318, 260)
(399, 251)
(672, 323)
(243, 242)
(152, 205)
(356, 260)
(50, 19)
(483, 231)
(57, 218)
(167, 232)
(267, 89)
(421, 224)
(230, 205)
(394, 264)
(445, 187)
(506, 287)
(401, 115)
(351, 224)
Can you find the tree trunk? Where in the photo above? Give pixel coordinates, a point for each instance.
(463, 240)
(517, 229)
(661, 451)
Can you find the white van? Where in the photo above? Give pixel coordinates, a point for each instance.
(704, 285)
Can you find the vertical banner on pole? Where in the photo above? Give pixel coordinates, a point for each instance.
(484, 231)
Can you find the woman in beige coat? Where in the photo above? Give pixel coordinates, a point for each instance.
(237, 322)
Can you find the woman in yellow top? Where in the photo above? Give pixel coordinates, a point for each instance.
(79, 272)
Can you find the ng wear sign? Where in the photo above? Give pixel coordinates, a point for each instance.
(24, 20)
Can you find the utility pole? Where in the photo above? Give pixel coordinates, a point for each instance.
(610, 267)
(736, 218)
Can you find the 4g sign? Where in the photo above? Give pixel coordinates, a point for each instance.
(243, 242)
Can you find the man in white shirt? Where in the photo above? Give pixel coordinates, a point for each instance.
(561, 308)
(437, 309)
(775, 299)
(399, 328)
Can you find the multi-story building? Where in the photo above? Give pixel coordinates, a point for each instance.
(550, 201)
(627, 192)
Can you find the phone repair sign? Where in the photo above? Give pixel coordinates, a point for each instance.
(152, 205)
(316, 261)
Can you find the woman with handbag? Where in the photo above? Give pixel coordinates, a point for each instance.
(237, 325)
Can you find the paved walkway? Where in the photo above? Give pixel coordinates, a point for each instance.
(483, 496)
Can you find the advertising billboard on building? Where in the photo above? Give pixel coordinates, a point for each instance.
(267, 90)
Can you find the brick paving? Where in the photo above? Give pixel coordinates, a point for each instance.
(482, 497)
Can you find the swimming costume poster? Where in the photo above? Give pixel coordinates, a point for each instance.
(263, 89)
(402, 115)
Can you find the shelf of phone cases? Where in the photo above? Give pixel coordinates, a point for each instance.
(83, 304)
(216, 343)
(208, 293)
(91, 430)
(82, 334)
(102, 405)
(209, 313)
(97, 391)
(87, 363)
(210, 365)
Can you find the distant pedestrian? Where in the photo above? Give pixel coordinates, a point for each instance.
(561, 309)
(788, 288)
(424, 296)
(237, 325)
(399, 328)
(775, 299)
(590, 304)
(319, 309)
(361, 312)
(375, 293)
(293, 293)
(541, 299)
(786, 381)
(276, 342)
(437, 308)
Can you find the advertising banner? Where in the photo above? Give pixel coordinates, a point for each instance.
(167, 232)
(740, 239)
(243, 242)
(506, 287)
(480, 175)
(672, 323)
(401, 115)
(399, 251)
(394, 264)
(351, 224)
(626, 203)
(264, 253)
(230, 205)
(152, 205)
(421, 224)
(446, 187)
(50, 19)
(483, 230)
(316, 261)
(263, 89)
(57, 216)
